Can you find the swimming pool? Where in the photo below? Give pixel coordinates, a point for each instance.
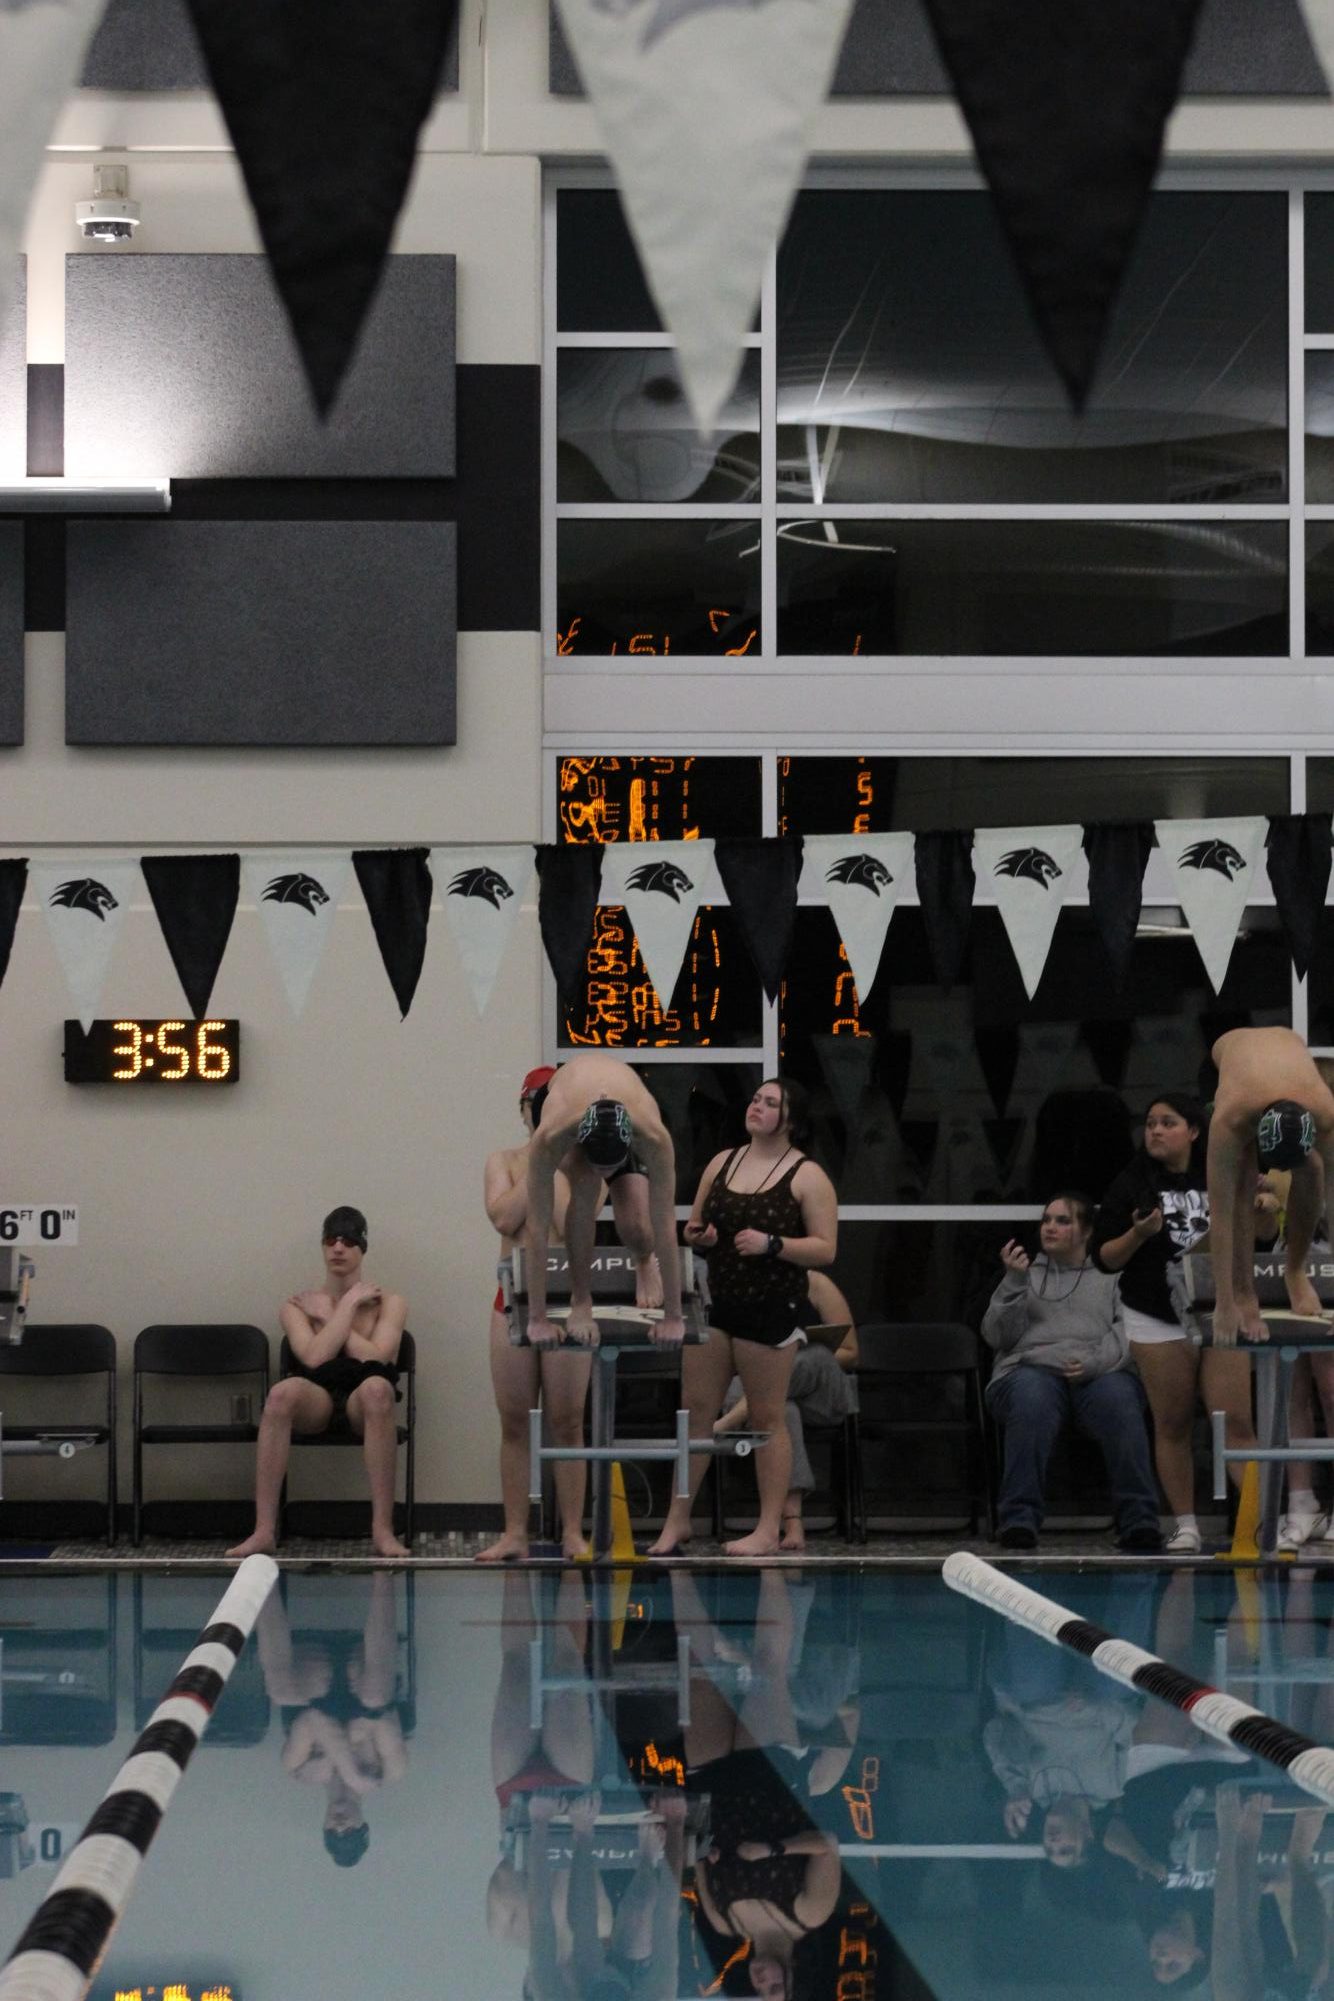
(445, 1783)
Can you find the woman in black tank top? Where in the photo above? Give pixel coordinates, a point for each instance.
(764, 1216)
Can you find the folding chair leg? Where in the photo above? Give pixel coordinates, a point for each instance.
(719, 1513)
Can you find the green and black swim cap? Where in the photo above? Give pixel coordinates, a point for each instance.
(1285, 1134)
(605, 1134)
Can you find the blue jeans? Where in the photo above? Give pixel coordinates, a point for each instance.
(1031, 1405)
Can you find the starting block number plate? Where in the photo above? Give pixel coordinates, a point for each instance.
(27, 1223)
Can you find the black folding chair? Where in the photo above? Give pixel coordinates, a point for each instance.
(68, 1349)
(343, 1435)
(891, 1356)
(199, 1349)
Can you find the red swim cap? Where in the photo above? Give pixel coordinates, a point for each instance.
(535, 1080)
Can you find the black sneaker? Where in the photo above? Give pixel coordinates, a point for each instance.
(1018, 1537)
(1145, 1541)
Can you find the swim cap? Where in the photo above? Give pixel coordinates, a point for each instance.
(345, 1222)
(536, 1080)
(347, 1845)
(605, 1133)
(1285, 1134)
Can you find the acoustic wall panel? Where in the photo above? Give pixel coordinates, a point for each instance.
(183, 366)
(14, 380)
(11, 632)
(260, 633)
(151, 45)
(1241, 50)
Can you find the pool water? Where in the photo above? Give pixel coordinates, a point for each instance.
(443, 1783)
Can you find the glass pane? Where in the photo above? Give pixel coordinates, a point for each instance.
(909, 369)
(715, 1003)
(624, 431)
(1320, 784)
(599, 280)
(1320, 979)
(703, 1107)
(657, 798)
(651, 587)
(1319, 425)
(1320, 587)
(1033, 587)
(881, 795)
(1319, 264)
(976, 1095)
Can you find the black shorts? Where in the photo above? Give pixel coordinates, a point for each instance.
(768, 1323)
(632, 1164)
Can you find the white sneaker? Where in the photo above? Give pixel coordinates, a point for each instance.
(1294, 1531)
(1184, 1542)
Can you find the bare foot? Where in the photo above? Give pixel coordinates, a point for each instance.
(1302, 1295)
(258, 1544)
(794, 1535)
(575, 1549)
(757, 1543)
(648, 1283)
(506, 1549)
(670, 1542)
(386, 1543)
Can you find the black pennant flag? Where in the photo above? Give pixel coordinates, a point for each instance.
(195, 900)
(1067, 101)
(569, 876)
(396, 883)
(13, 877)
(324, 100)
(1118, 856)
(944, 869)
(1298, 858)
(760, 877)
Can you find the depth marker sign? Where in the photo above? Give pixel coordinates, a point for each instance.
(27, 1223)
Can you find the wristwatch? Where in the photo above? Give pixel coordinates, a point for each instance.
(775, 1247)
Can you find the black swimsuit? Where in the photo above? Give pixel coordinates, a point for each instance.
(755, 1299)
(343, 1374)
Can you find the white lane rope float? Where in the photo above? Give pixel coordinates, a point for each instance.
(1307, 1764)
(61, 1948)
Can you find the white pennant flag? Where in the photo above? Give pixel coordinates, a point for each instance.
(297, 895)
(85, 904)
(483, 891)
(1031, 871)
(1320, 26)
(42, 47)
(1215, 867)
(860, 877)
(660, 885)
(705, 108)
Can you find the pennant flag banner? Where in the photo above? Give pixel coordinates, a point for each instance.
(860, 877)
(297, 896)
(1319, 16)
(1118, 857)
(1215, 868)
(85, 904)
(42, 47)
(661, 885)
(1299, 861)
(705, 108)
(13, 878)
(324, 104)
(483, 890)
(396, 883)
(567, 901)
(943, 863)
(195, 898)
(760, 877)
(1030, 871)
(1067, 102)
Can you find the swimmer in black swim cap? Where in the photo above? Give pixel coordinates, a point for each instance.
(1284, 1134)
(605, 1134)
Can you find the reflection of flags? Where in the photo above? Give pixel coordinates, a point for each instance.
(1067, 101)
(704, 107)
(195, 900)
(483, 890)
(860, 877)
(396, 883)
(660, 885)
(1030, 871)
(42, 46)
(297, 897)
(1215, 869)
(85, 903)
(13, 876)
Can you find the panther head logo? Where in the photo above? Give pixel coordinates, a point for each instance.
(667, 14)
(863, 870)
(488, 883)
(1220, 856)
(665, 878)
(84, 892)
(301, 889)
(1029, 865)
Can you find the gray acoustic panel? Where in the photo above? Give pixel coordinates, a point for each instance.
(261, 633)
(151, 45)
(1241, 50)
(11, 632)
(183, 365)
(14, 379)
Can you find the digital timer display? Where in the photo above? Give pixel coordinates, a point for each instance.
(153, 1052)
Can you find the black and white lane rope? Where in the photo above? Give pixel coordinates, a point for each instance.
(62, 1947)
(1219, 1715)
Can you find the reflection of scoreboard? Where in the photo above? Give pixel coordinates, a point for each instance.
(124, 1987)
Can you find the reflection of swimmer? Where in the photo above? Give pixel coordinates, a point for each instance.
(343, 1729)
(637, 1958)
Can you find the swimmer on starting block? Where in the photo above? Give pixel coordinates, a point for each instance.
(599, 1123)
(1273, 1110)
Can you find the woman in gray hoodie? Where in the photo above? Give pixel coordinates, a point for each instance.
(1062, 1353)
